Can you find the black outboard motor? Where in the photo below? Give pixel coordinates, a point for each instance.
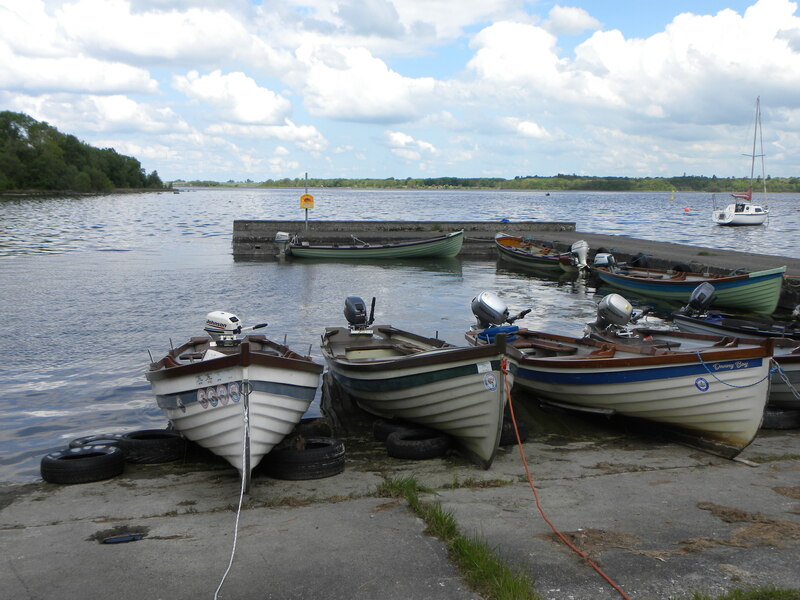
(700, 300)
(355, 311)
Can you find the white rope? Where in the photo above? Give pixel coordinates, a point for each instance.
(245, 477)
(773, 368)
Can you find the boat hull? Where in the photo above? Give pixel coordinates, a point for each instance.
(686, 396)
(514, 250)
(446, 246)
(207, 400)
(458, 391)
(756, 292)
(733, 216)
(785, 383)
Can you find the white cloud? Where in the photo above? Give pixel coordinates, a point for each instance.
(403, 145)
(306, 137)
(527, 129)
(237, 97)
(570, 20)
(351, 84)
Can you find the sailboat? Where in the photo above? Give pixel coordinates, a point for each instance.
(742, 211)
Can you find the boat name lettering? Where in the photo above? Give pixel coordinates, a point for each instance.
(739, 364)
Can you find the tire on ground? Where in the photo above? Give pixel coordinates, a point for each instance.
(781, 418)
(507, 435)
(383, 428)
(417, 444)
(82, 465)
(152, 446)
(321, 457)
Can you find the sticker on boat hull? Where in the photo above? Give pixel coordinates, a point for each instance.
(490, 381)
(701, 383)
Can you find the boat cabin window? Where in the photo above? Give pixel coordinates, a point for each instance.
(740, 208)
(758, 209)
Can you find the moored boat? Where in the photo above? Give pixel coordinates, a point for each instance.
(236, 396)
(712, 397)
(526, 253)
(742, 211)
(396, 374)
(445, 246)
(756, 292)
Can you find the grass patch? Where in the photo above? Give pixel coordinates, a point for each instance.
(485, 573)
(778, 458)
(761, 593)
(705, 253)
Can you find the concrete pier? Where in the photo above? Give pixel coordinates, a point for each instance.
(254, 240)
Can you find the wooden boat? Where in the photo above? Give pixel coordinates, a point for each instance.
(713, 397)
(445, 246)
(756, 292)
(520, 251)
(742, 211)
(696, 318)
(236, 397)
(400, 375)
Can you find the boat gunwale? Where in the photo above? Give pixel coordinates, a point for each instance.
(391, 246)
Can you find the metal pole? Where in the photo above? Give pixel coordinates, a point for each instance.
(306, 209)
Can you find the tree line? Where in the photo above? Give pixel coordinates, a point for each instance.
(684, 183)
(36, 156)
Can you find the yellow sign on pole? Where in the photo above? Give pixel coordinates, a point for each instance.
(306, 201)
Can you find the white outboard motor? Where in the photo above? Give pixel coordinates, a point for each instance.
(223, 327)
(604, 259)
(355, 311)
(282, 241)
(700, 300)
(613, 311)
(580, 252)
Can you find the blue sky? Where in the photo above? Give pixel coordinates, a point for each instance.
(234, 89)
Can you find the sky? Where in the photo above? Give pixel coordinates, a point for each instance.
(265, 89)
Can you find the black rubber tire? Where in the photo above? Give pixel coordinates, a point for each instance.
(781, 418)
(383, 428)
(321, 457)
(152, 446)
(417, 444)
(82, 465)
(507, 435)
(682, 268)
(319, 427)
(640, 260)
(97, 439)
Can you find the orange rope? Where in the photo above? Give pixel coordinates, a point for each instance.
(504, 367)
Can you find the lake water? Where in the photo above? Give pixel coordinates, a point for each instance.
(90, 284)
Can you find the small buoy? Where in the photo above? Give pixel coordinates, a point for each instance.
(686, 209)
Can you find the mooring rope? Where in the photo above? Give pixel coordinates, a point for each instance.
(714, 375)
(245, 477)
(578, 551)
(785, 378)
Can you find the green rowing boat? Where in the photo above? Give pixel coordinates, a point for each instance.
(445, 246)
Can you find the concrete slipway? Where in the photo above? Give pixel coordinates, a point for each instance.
(661, 519)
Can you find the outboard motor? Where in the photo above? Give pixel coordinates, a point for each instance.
(491, 311)
(700, 300)
(355, 311)
(223, 327)
(605, 259)
(580, 252)
(282, 241)
(612, 311)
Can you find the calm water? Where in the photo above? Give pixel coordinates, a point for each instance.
(89, 285)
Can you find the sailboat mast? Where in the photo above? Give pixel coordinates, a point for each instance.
(761, 142)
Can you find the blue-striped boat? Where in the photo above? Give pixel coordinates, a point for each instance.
(713, 397)
(395, 374)
(756, 292)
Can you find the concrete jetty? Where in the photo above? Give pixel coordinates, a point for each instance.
(254, 240)
(662, 520)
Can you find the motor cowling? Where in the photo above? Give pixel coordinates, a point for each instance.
(613, 310)
(222, 326)
(355, 311)
(580, 252)
(489, 309)
(700, 299)
(604, 259)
